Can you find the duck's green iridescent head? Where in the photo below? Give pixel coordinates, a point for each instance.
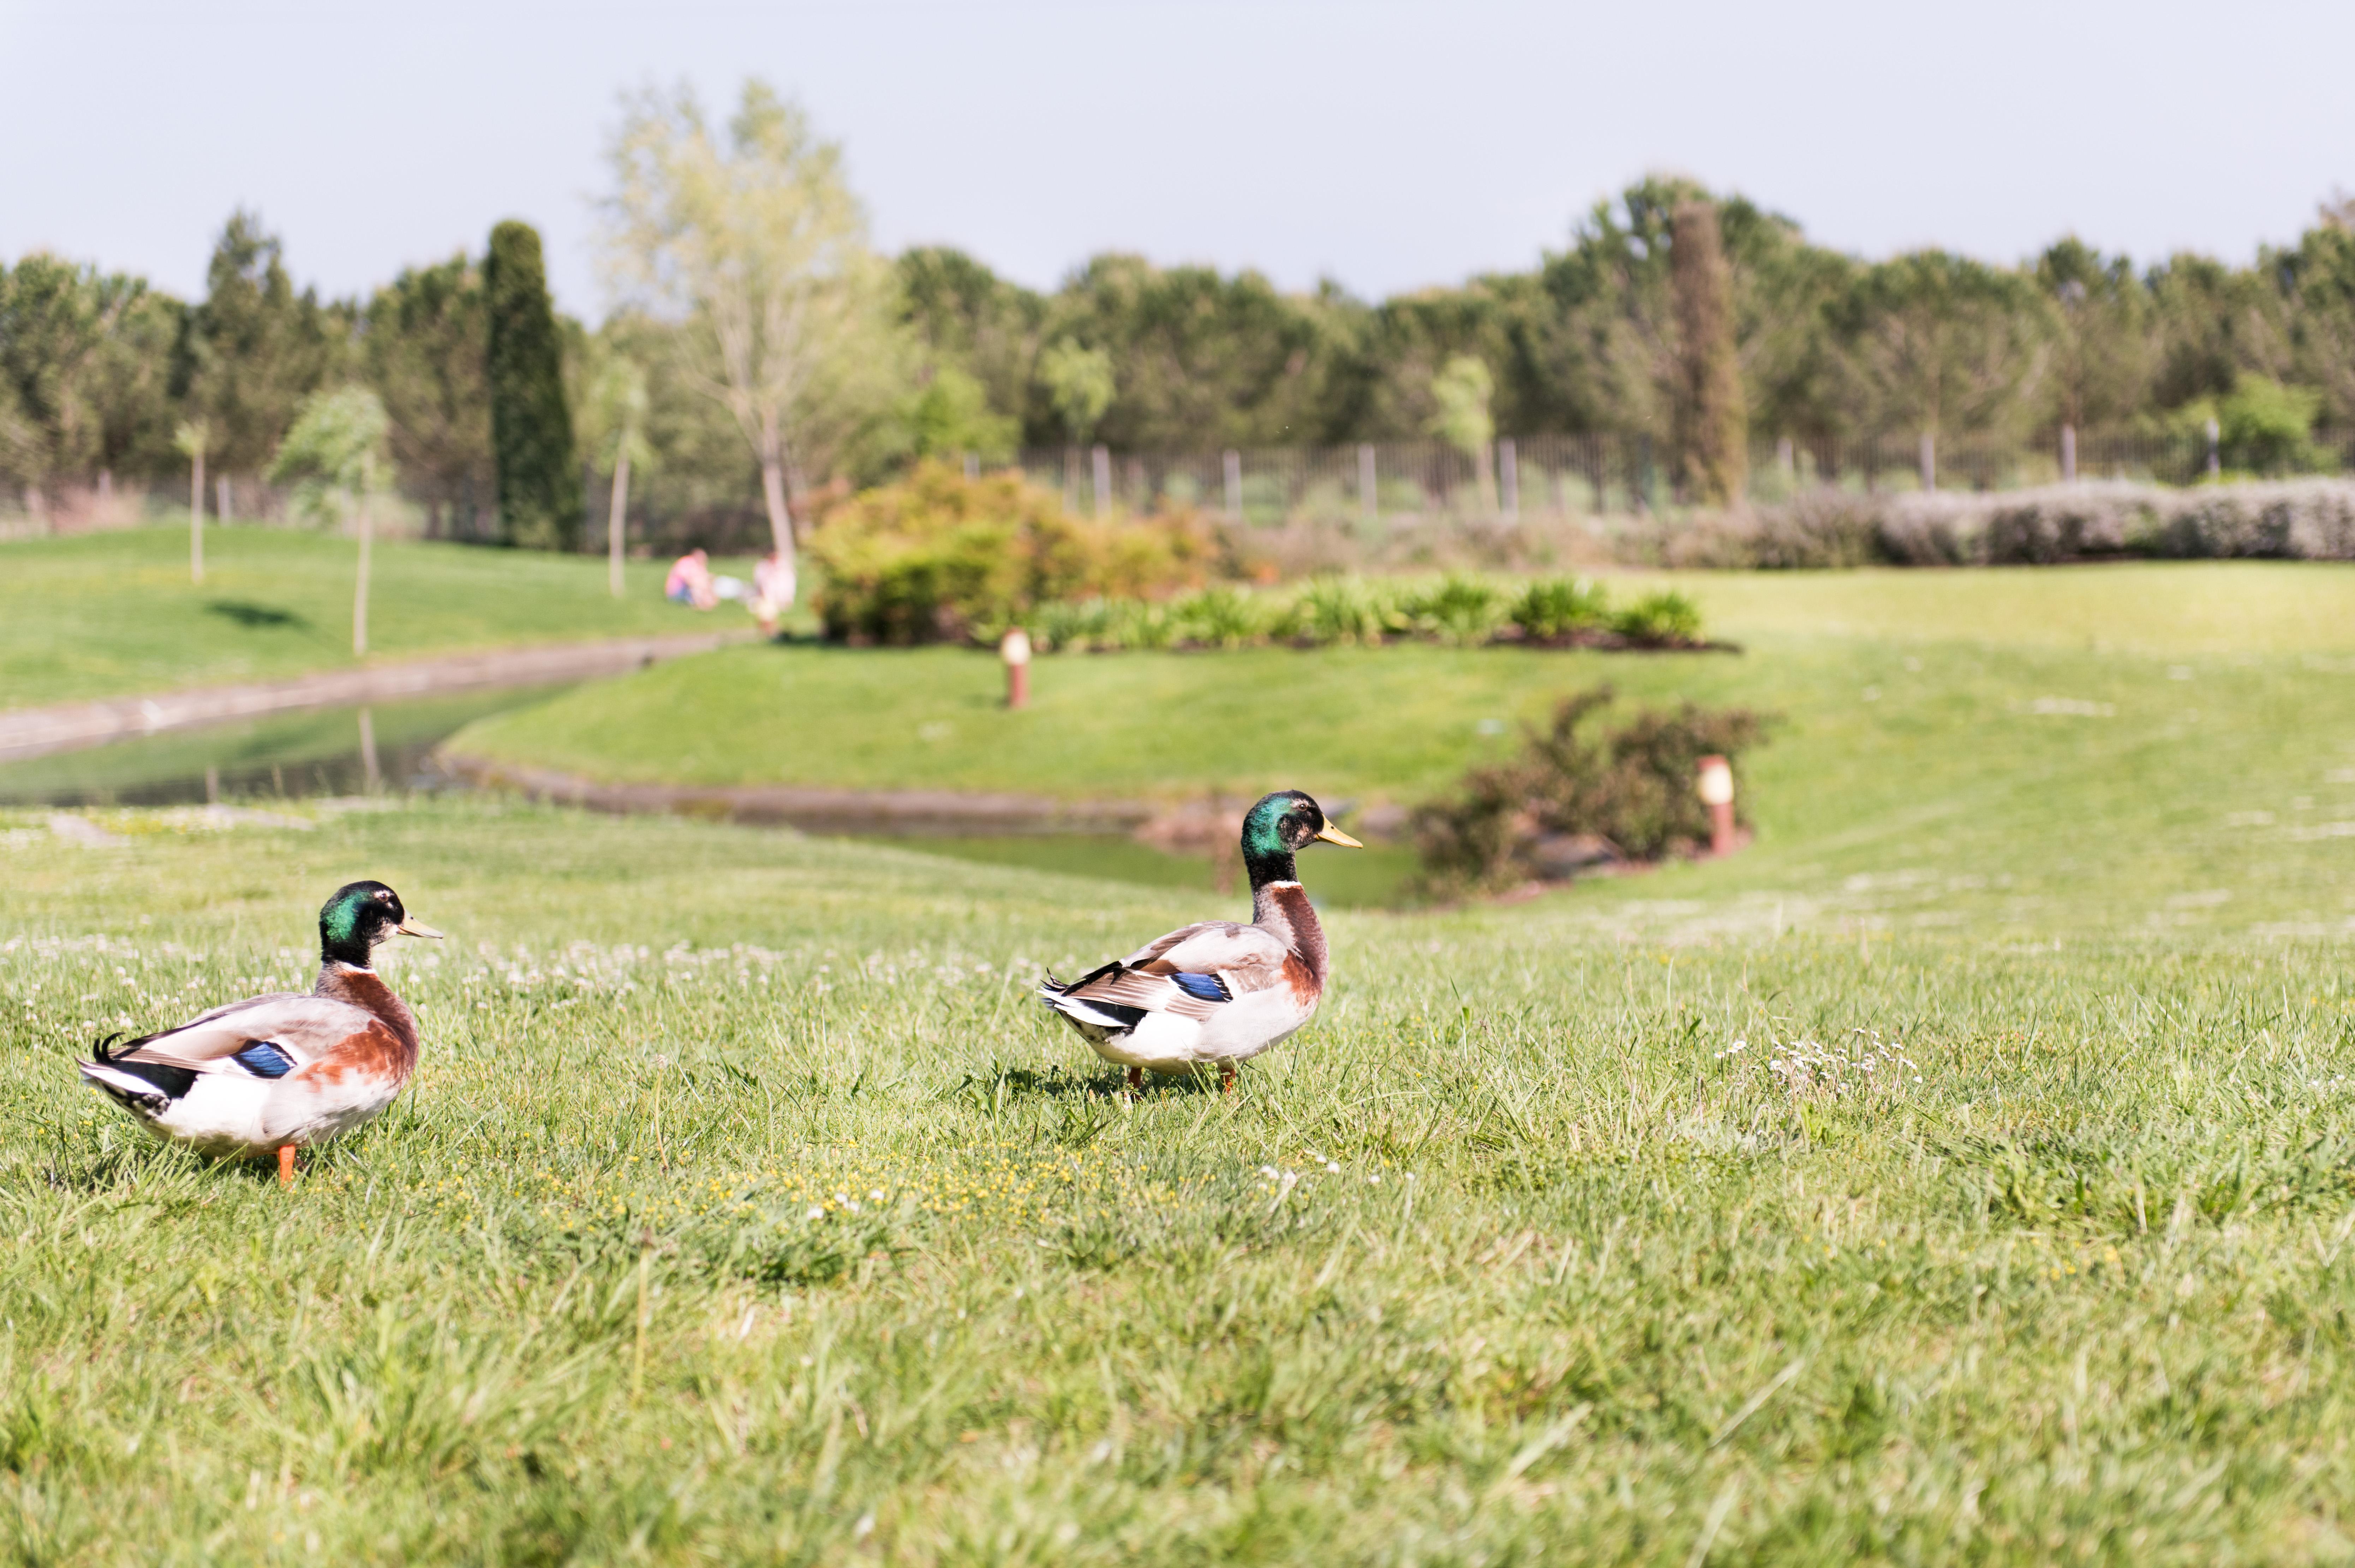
(1279, 827)
(358, 919)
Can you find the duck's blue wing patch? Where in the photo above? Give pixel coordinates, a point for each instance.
(1203, 988)
(265, 1059)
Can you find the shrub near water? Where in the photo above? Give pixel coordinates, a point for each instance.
(1576, 797)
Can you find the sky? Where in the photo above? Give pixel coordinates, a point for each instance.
(1386, 146)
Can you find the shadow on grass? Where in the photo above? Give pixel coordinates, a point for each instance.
(256, 617)
(1001, 1086)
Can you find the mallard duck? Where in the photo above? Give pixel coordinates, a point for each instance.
(1217, 992)
(276, 1072)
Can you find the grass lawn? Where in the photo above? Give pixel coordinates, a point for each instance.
(102, 615)
(1964, 1173)
(2117, 717)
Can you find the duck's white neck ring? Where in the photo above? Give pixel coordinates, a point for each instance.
(1271, 885)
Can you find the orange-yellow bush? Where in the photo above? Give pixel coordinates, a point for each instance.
(941, 557)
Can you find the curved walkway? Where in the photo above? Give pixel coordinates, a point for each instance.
(37, 732)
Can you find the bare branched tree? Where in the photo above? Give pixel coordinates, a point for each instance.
(755, 240)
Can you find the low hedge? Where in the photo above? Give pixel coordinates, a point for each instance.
(2299, 519)
(1459, 610)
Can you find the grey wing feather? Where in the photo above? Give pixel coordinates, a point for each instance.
(1246, 957)
(306, 1027)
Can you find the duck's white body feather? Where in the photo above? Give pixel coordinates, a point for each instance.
(1210, 993)
(268, 1071)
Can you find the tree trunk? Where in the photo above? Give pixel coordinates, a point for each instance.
(197, 520)
(782, 533)
(615, 519)
(360, 595)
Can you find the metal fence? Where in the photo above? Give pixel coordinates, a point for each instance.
(1594, 473)
(1561, 475)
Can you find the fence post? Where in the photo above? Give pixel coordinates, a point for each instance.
(1233, 462)
(1368, 500)
(2068, 454)
(973, 465)
(2215, 450)
(1509, 480)
(1787, 460)
(1929, 461)
(1100, 470)
(220, 513)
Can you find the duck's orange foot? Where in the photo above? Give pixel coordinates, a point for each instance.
(1226, 1077)
(286, 1165)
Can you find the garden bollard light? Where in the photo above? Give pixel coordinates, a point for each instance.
(1015, 648)
(1716, 782)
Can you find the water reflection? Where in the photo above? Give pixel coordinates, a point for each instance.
(350, 751)
(330, 751)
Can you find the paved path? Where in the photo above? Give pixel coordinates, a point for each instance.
(37, 732)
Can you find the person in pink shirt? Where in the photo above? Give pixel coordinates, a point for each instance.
(691, 583)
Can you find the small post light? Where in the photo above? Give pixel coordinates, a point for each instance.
(1014, 647)
(1716, 784)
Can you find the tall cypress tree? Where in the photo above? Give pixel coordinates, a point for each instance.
(1712, 421)
(531, 430)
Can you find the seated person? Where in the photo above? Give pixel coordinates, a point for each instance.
(691, 583)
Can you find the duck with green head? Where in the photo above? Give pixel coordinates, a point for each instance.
(272, 1073)
(1217, 993)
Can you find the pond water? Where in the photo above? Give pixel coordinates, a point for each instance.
(328, 751)
(1372, 877)
(338, 751)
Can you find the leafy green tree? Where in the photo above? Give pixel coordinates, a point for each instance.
(1459, 395)
(1935, 344)
(613, 427)
(757, 244)
(531, 427)
(255, 347)
(2319, 279)
(1080, 383)
(425, 350)
(1403, 345)
(2098, 327)
(335, 456)
(965, 317)
(951, 418)
(2214, 323)
(2262, 426)
(1196, 361)
(58, 321)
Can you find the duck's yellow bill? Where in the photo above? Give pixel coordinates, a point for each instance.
(1333, 835)
(417, 928)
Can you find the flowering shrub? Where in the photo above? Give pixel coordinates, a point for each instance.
(939, 556)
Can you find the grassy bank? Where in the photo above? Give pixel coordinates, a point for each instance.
(2126, 725)
(1531, 1247)
(1962, 1174)
(105, 615)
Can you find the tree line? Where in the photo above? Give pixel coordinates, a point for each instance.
(760, 350)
